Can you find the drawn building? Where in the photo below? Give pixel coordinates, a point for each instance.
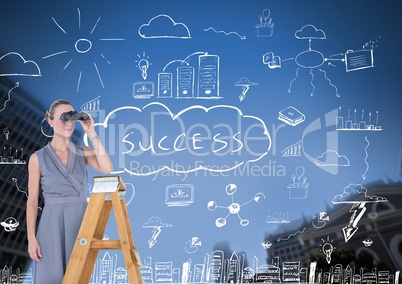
(163, 272)
(234, 268)
(147, 271)
(165, 85)
(208, 76)
(185, 81)
(216, 269)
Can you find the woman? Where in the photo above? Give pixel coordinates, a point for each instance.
(59, 170)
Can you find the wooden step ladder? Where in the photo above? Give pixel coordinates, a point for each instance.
(107, 193)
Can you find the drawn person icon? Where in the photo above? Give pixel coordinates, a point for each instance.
(59, 170)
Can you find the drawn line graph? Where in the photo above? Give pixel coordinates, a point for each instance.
(292, 235)
(226, 33)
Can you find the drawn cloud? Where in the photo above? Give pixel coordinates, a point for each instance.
(163, 26)
(310, 32)
(245, 81)
(152, 140)
(356, 193)
(156, 222)
(332, 158)
(13, 64)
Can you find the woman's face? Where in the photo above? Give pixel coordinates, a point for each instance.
(61, 127)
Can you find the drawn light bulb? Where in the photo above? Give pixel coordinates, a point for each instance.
(143, 65)
(327, 249)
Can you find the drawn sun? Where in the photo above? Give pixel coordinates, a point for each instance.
(82, 46)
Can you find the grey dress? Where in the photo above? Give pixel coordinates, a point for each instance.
(62, 214)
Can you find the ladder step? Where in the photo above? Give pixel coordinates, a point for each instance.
(106, 244)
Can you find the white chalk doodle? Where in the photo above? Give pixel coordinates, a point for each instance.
(83, 46)
(265, 28)
(367, 242)
(143, 64)
(293, 150)
(271, 60)
(332, 158)
(234, 208)
(92, 105)
(364, 124)
(277, 218)
(10, 224)
(225, 33)
(291, 116)
(15, 180)
(9, 96)
(320, 220)
(6, 133)
(156, 224)
(20, 66)
(266, 244)
(159, 147)
(192, 245)
(355, 194)
(359, 59)
(327, 249)
(12, 156)
(143, 90)
(292, 235)
(364, 175)
(179, 195)
(245, 83)
(298, 189)
(309, 59)
(199, 80)
(163, 26)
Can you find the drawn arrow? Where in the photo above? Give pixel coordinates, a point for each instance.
(9, 95)
(358, 210)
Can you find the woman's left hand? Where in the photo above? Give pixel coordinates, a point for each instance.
(88, 126)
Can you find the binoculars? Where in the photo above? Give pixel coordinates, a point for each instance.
(74, 115)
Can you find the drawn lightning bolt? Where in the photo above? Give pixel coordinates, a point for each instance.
(358, 210)
(155, 233)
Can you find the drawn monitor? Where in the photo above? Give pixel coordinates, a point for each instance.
(185, 82)
(208, 78)
(143, 90)
(179, 195)
(164, 85)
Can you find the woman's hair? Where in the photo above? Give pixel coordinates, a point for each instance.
(50, 111)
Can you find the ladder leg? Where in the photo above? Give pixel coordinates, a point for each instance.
(136, 257)
(88, 268)
(126, 240)
(82, 244)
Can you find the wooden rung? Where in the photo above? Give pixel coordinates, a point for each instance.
(106, 244)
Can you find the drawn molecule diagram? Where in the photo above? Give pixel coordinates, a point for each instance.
(234, 207)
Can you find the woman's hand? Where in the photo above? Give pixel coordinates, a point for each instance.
(88, 126)
(34, 250)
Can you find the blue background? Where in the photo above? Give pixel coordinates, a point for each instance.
(28, 29)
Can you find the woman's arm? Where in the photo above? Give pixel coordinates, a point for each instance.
(32, 207)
